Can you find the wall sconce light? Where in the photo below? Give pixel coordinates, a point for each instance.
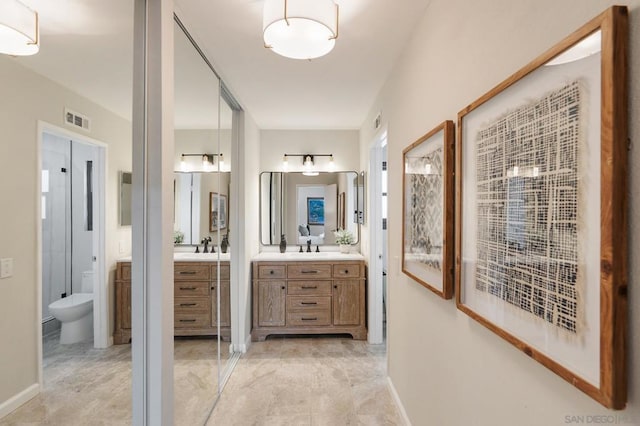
(19, 29)
(208, 161)
(308, 163)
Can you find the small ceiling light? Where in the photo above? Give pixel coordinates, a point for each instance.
(19, 30)
(300, 29)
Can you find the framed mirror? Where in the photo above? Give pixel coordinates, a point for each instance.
(308, 208)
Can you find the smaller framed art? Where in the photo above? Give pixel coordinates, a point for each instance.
(315, 210)
(428, 197)
(217, 211)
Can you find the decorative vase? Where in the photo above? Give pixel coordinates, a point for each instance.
(344, 248)
(224, 245)
(283, 244)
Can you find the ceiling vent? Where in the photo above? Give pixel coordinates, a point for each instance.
(77, 120)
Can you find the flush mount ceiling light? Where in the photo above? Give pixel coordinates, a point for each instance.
(19, 33)
(300, 29)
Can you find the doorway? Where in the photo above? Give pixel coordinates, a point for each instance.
(71, 233)
(378, 237)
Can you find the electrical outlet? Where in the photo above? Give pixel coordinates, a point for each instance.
(6, 267)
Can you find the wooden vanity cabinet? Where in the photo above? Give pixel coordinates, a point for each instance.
(325, 297)
(195, 300)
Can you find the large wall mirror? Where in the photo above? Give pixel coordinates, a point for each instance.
(308, 208)
(203, 154)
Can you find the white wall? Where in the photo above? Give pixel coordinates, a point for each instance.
(447, 368)
(25, 98)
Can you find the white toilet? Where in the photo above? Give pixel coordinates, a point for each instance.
(75, 312)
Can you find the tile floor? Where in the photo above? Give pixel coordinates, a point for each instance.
(282, 381)
(308, 381)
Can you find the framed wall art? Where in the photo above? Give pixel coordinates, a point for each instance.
(428, 219)
(217, 211)
(315, 210)
(541, 242)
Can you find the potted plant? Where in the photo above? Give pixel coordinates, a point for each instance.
(344, 238)
(178, 237)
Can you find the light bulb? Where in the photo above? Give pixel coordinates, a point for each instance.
(220, 162)
(332, 165)
(183, 163)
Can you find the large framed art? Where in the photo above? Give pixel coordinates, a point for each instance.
(541, 241)
(428, 197)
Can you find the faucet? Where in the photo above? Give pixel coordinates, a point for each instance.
(206, 241)
(308, 246)
(317, 249)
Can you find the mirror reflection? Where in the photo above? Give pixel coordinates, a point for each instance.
(307, 208)
(197, 196)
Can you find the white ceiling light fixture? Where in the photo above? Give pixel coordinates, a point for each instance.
(300, 29)
(19, 29)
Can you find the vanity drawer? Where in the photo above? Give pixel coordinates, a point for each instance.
(125, 272)
(351, 270)
(191, 288)
(189, 271)
(191, 304)
(224, 272)
(191, 320)
(267, 272)
(307, 303)
(310, 288)
(310, 271)
(309, 318)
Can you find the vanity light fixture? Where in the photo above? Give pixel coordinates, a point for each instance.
(308, 163)
(19, 29)
(300, 29)
(208, 161)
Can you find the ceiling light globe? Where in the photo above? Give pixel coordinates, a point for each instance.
(307, 30)
(18, 29)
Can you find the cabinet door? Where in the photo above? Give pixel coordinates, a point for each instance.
(271, 303)
(225, 304)
(346, 302)
(125, 305)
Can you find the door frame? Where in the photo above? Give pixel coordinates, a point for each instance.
(376, 245)
(100, 296)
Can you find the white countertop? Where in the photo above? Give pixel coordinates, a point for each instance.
(191, 257)
(272, 256)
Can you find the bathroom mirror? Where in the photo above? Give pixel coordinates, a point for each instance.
(125, 199)
(308, 208)
(193, 212)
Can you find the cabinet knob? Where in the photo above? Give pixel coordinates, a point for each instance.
(213, 288)
(335, 286)
(283, 287)
(346, 271)
(271, 272)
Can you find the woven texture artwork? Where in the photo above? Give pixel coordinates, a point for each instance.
(426, 209)
(527, 186)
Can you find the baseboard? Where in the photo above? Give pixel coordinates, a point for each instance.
(17, 400)
(399, 405)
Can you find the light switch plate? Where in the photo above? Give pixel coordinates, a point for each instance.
(6, 267)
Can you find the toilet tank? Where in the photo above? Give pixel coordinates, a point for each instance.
(87, 282)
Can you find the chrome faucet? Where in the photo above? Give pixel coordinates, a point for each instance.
(308, 246)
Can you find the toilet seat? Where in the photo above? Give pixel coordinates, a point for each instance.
(76, 299)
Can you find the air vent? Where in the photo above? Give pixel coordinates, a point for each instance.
(77, 120)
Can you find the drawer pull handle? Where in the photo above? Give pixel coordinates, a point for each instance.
(308, 272)
(308, 303)
(187, 320)
(187, 272)
(188, 304)
(309, 319)
(309, 287)
(187, 288)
